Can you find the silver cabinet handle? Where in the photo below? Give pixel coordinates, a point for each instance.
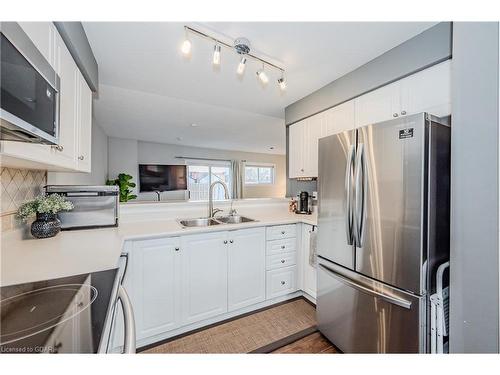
(225, 242)
(282, 232)
(403, 113)
(282, 283)
(395, 115)
(394, 300)
(80, 157)
(231, 241)
(128, 320)
(58, 147)
(282, 261)
(348, 188)
(283, 246)
(302, 169)
(177, 249)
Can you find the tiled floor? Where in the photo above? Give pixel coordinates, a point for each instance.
(251, 333)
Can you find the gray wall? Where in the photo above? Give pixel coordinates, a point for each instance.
(99, 170)
(125, 155)
(428, 48)
(422, 51)
(474, 311)
(78, 45)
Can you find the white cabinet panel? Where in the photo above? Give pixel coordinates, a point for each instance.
(280, 260)
(84, 131)
(281, 281)
(281, 246)
(246, 267)
(308, 272)
(313, 134)
(379, 105)
(155, 268)
(339, 119)
(296, 149)
(277, 232)
(428, 91)
(204, 276)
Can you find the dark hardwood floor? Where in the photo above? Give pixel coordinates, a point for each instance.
(314, 343)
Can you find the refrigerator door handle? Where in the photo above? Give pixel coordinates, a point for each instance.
(359, 195)
(391, 299)
(348, 198)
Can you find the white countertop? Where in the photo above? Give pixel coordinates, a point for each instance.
(91, 250)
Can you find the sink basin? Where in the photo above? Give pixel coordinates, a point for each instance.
(234, 219)
(201, 222)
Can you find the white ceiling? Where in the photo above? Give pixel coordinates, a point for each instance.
(149, 91)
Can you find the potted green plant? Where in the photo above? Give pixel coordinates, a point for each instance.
(124, 183)
(46, 208)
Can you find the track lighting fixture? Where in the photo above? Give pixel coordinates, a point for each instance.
(241, 66)
(261, 74)
(282, 83)
(216, 59)
(242, 47)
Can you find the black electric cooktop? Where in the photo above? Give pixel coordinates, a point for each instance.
(65, 315)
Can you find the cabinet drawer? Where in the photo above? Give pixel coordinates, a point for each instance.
(280, 261)
(281, 246)
(281, 281)
(281, 231)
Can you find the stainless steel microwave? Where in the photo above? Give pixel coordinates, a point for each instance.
(29, 97)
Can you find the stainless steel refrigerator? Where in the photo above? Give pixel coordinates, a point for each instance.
(383, 229)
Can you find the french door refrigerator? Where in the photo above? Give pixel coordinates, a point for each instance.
(383, 229)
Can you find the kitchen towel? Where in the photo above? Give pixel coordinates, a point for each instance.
(313, 248)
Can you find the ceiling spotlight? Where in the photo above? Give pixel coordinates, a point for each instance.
(282, 83)
(186, 47)
(241, 66)
(216, 59)
(261, 74)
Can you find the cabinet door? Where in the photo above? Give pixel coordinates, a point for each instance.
(65, 155)
(246, 268)
(84, 126)
(308, 271)
(428, 91)
(154, 285)
(296, 149)
(339, 119)
(312, 135)
(379, 105)
(204, 276)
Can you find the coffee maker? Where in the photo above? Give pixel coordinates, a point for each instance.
(304, 203)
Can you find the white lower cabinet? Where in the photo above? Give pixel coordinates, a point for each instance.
(204, 276)
(309, 282)
(281, 281)
(246, 268)
(155, 281)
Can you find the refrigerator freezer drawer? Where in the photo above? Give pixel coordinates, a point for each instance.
(360, 315)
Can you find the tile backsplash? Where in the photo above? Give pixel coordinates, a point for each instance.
(16, 187)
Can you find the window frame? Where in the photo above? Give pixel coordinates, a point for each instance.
(210, 164)
(259, 165)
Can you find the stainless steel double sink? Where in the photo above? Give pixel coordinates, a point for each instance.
(206, 222)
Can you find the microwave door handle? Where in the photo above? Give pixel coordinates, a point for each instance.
(359, 195)
(375, 293)
(128, 321)
(348, 189)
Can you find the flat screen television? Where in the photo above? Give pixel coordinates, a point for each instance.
(153, 177)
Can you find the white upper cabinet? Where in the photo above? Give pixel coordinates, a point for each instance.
(379, 105)
(296, 149)
(246, 267)
(303, 147)
(204, 276)
(73, 151)
(428, 91)
(338, 119)
(84, 134)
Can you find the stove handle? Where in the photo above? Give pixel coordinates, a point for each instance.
(129, 321)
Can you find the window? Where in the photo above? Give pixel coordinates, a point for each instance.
(259, 174)
(202, 174)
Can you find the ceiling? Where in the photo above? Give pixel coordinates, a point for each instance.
(149, 91)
